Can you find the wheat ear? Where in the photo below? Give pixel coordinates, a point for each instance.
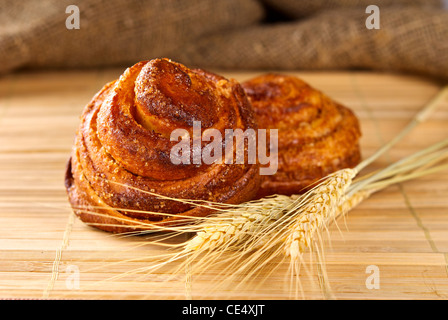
(234, 227)
(321, 207)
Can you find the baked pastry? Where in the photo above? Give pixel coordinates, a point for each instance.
(316, 135)
(122, 149)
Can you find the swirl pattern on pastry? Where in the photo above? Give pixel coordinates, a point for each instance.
(122, 148)
(316, 135)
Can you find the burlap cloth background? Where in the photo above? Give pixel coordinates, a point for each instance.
(238, 34)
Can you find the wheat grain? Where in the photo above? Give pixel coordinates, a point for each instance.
(353, 201)
(322, 206)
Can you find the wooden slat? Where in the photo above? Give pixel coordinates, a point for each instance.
(402, 230)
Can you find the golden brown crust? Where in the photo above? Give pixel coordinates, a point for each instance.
(122, 147)
(316, 135)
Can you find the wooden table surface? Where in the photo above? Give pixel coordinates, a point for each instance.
(402, 230)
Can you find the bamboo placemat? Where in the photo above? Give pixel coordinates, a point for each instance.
(45, 249)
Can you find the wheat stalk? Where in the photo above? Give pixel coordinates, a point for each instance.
(328, 196)
(292, 234)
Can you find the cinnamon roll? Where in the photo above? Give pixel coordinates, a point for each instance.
(121, 165)
(316, 135)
